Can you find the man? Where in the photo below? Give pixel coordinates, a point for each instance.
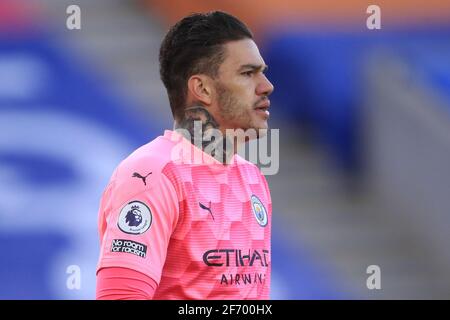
(185, 217)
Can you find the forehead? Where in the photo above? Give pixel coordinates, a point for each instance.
(241, 52)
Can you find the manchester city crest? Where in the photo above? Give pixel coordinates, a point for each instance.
(259, 211)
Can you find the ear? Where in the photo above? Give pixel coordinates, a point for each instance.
(200, 89)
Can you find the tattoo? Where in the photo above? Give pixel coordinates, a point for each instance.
(198, 122)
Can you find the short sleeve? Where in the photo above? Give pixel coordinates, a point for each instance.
(136, 224)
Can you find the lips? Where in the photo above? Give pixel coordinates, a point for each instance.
(263, 106)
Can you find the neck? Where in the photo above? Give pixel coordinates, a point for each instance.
(200, 127)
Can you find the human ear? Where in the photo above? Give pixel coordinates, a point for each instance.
(200, 89)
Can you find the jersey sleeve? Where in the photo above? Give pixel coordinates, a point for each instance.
(123, 284)
(136, 219)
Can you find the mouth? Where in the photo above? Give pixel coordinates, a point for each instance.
(263, 108)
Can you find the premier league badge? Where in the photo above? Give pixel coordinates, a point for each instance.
(135, 218)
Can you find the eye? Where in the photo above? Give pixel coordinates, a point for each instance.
(247, 73)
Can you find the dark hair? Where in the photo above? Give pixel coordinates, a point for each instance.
(195, 45)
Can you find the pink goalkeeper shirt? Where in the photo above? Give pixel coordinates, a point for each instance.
(198, 228)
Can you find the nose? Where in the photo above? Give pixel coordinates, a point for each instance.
(265, 87)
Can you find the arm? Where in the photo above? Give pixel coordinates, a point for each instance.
(118, 283)
(136, 221)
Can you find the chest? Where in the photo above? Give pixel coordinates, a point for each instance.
(225, 208)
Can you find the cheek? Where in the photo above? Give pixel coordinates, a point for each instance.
(246, 95)
(246, 88)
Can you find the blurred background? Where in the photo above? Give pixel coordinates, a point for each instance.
(364, 119)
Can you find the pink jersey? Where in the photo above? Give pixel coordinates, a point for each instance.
(200, 229)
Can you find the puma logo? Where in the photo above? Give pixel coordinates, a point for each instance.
(137, 175)
(206, 208)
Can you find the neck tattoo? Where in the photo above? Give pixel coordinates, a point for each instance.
(203, 131)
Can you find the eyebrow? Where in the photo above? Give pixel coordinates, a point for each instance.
(254, 67)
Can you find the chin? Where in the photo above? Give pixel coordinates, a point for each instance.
(260, 128)
(254, 125)
(261, 125)
(262, 132)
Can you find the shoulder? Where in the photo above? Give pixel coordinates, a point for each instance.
(143, 169)
(249, 169)
(253, 175)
